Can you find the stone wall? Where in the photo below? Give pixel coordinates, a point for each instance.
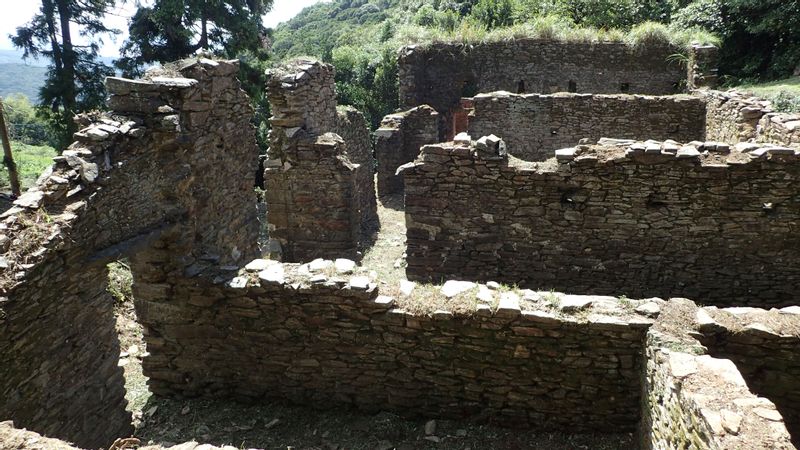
(398, 141)
(319, 187)
(765, 345)
(700, 402)
(319, 335)
(534, 125)
(440, 74)
(143, 177)
(735, 117)
(703, 221)
(353, 128)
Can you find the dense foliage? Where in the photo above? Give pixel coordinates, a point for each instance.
(169, 30)
(75, 75)
(759, 39)
(24, 125)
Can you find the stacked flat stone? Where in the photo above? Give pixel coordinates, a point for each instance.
(440, 74)
(319, 186)
(534, 124)
(398, 141)
(640, 218)
(320, 333)
(737, 117)
(141, 181)
(769, 359)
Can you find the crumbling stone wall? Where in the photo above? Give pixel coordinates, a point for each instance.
(703, 221)
(533, 125)
(398, 141)
(698, 401)
(765, 345)
(319, 187)
(734, 117)
(139, 180)
(315, 335)
(440, 74)
(353, 128)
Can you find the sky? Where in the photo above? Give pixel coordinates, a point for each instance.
(20, 12)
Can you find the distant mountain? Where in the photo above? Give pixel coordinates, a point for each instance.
(24, 76)
(15, 57)
(21, 78)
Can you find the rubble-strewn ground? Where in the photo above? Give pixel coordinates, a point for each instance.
(275, 425)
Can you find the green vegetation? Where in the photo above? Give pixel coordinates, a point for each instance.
(24, 124)
(31, 161)
(784, 94)
(75, 75)
(21, 79)
(759, 41)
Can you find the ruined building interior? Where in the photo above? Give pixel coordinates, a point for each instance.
(596, 240)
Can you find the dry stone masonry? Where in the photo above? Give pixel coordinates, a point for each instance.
(703, 220)
(398, 141)
(165, 179)
(319, 186)
(694, 400)
(533, 125)
(735, 117)
(319, 334)
(765, 345)
(142, 181)
(440, 74)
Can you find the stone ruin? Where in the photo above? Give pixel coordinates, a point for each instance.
(703, 208)
(319, 173)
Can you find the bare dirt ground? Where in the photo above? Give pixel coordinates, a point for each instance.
(275, 425)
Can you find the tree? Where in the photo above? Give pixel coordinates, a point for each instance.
(75, 77)
(173, 29)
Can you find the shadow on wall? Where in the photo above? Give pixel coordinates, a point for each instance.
(142, 182)
(766, 349)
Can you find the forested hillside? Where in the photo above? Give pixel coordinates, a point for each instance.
(22, 79)
(759, 39)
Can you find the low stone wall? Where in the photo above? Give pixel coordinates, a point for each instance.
(696, 401)
(316, 335)
(440, 74)
(319, 187)
(146, 176)
(765, 345)
(534, 125)
(735, 117)
(398, 141)
(703, 221)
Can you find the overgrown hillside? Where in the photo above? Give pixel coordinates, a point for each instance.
(360, 37)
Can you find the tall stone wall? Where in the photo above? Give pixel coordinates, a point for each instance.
(145, 176)
(398, 141)
(319, 188)
(353, 128)
(641, 219)
(534, 125)
(734, 117)
(440, 74)
(765, 345)
(316, 335)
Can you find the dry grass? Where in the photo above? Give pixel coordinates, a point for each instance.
(28, 235)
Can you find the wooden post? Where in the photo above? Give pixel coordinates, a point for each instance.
(8, 157)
